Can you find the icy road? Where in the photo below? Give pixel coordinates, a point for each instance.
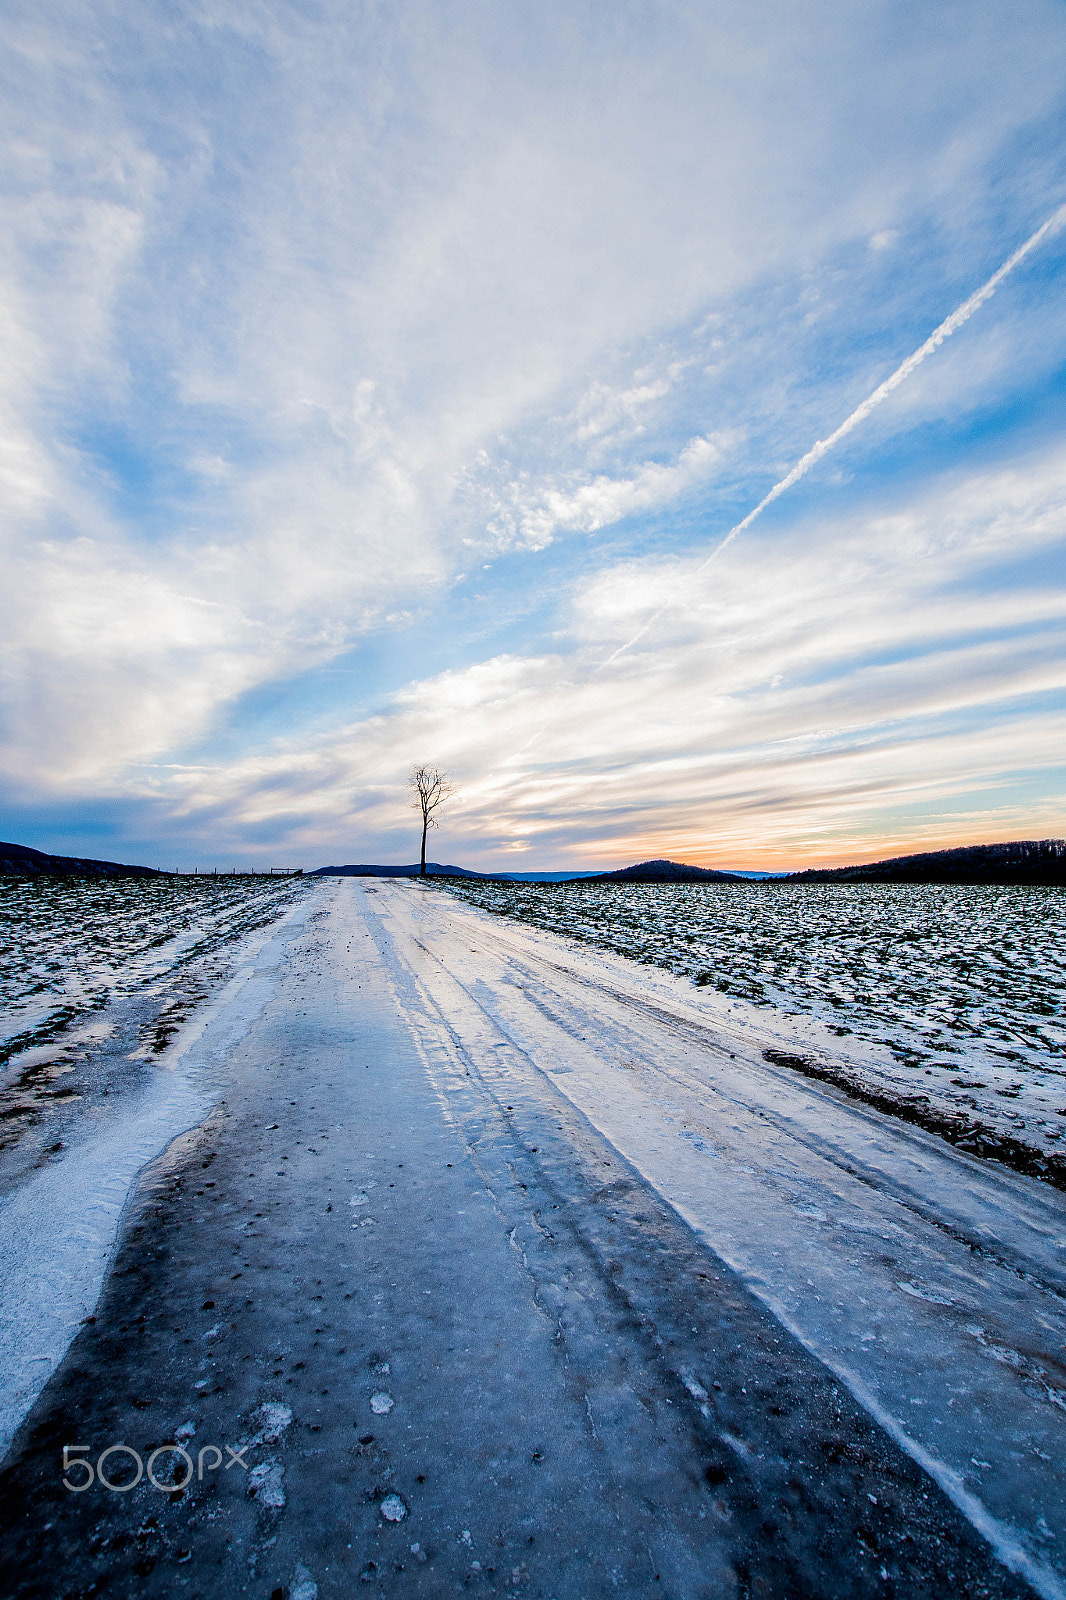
(501, 1265)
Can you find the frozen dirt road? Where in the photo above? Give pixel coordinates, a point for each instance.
(501, 1266)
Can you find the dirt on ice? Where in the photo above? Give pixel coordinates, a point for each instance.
(495, 1268)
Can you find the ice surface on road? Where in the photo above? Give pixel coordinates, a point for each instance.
(955, 993)
(58, 1229)
(933, 1284)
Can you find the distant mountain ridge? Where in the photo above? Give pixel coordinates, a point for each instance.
(666, 872)
(18, 860)
(433, 870)
(643, 872)
(1023, 861)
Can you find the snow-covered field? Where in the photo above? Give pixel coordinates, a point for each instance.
(71, 946)
(185, 963)
(951, 1000)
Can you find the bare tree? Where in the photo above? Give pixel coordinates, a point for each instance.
(430, 789)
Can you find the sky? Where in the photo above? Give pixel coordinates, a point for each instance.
(377, 381)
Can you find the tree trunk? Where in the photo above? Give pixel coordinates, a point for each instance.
(425, 827)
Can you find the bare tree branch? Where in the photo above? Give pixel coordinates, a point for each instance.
(430, 790)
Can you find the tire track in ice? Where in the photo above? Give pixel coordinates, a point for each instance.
(1018, 1505)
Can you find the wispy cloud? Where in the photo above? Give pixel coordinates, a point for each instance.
(818, 451)
(951, 324)
(530, 514)
(304, 315)
(791, 704)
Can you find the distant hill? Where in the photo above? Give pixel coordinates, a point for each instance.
(643, 872)
(18, 860)
(1025, 861)
(665, 872)
(538, 877)
(433, 870)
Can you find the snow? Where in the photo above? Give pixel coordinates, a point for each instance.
(57, 1229)
(303, 1586)
(68, 947)
(954, 997)
(274, 1418)
(265, 1484)
(930, 1282)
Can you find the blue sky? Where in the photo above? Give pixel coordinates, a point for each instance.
(372, 374)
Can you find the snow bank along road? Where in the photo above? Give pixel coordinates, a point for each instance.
(500, 1266)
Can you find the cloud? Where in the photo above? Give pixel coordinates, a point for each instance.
(604, 412)
(805, 702)
(299, 309)
(530, 515)
(951, 324)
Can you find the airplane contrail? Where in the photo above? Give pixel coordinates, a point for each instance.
(822, 448)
